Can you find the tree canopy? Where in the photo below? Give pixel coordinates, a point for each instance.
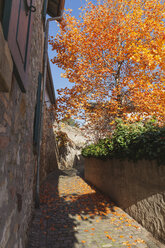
(114, 56)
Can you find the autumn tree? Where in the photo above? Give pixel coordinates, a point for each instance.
(114, 56)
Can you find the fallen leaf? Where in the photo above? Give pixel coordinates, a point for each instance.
(108, 236)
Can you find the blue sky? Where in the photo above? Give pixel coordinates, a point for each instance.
(56, 72)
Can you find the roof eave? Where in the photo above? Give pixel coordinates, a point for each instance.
(55, 8)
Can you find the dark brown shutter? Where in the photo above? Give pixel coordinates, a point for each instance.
(18, 35)
(37, 117)
(45, 4)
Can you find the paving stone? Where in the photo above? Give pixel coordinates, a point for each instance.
(74, 215)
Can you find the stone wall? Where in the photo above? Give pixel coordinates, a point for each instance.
(138, 188)
(49, 148)
(17, 161)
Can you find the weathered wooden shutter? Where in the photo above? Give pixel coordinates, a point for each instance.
(45, 4)
(17, 23)
(37, 120)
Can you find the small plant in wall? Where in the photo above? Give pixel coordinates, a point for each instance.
(62, 139)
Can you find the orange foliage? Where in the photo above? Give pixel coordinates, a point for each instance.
(114, 56)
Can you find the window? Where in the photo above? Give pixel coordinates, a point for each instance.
(17, 22)
(1, 9)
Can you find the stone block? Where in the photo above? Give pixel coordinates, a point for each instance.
(2, 129)
(6, 231)
(7, 119)
(4, 141)
(6, 64)
(3, 193)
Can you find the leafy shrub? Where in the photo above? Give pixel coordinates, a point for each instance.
(132, 141)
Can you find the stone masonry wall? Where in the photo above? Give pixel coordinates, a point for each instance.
(139, 188)
(49, 149)
(17, 161)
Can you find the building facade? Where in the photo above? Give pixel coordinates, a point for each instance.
(49, 149)
(22, 27)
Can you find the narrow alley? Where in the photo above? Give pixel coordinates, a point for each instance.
(73, 215)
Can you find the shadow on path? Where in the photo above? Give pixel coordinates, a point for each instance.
(73, 214)
(48, 227)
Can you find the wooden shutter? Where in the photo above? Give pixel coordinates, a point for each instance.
(37, 118)
(17, 29)
(45, 4)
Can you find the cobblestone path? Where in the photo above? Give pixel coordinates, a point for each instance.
(74, 215)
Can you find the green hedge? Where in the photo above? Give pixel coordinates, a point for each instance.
(132, 141)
